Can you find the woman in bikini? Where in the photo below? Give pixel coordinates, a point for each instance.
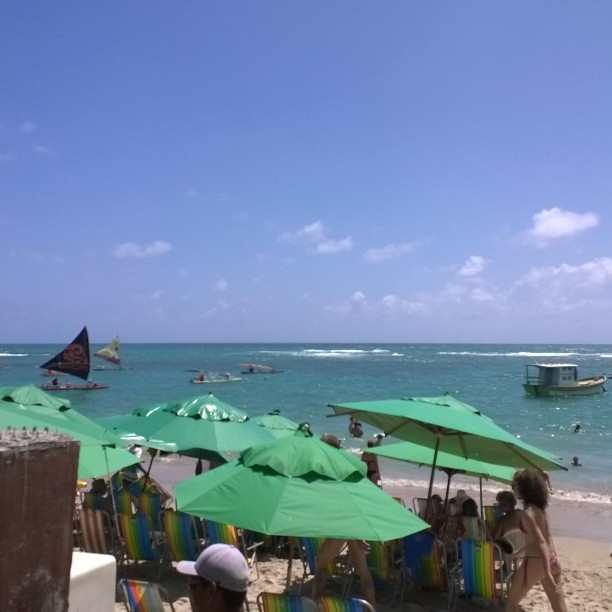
(541, 563)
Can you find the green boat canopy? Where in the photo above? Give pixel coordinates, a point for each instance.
(297, 486)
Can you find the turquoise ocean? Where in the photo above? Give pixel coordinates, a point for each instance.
(487, 376)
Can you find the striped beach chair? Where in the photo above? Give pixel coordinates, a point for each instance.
(491, 515)
(139, 541)
(343, 604)
(480, 571)
(150, 504)
(95, 532)
(281, 602)
(141, 596)
(182, 541)
(425, 565)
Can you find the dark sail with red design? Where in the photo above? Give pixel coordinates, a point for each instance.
(74, 359)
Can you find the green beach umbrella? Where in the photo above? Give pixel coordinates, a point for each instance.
(451, 464)
(98, 454)
(297, 486)
(447, 424)
(204, 427)
(278, 425)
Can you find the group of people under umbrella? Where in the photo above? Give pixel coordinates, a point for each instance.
(297, 484)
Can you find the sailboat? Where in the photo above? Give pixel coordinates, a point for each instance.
(111, 353)
(73, 360)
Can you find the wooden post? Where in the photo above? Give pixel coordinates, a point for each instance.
(38, 473)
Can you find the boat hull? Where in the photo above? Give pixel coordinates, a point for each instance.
(582, 387)
(196, 381)
(68, 387)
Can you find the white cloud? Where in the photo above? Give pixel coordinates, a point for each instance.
(472, 267)
(42, 150)
(591, 274)
(389, 251)
(133, 249)
(220, 285)
(554, 223)
(315, 237)
(309, 234)
(334, 246)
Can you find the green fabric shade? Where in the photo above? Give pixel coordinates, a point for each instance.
(449, 425)
(297, 486)
(98, 454)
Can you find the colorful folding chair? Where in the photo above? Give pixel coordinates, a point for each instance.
(280, 602)
(424, 563)
(139, 541)
(480, 571)
(123, 501)
(182, 541)
(95, 532)
(491, 515)
(140, 596)
(150, 504)
(221, 533)
(343, 604)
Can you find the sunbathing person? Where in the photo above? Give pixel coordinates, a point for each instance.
(541, 563)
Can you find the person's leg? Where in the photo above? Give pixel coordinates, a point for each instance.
(330, 549)
(554, 592)
(529, 573)
(360, 562)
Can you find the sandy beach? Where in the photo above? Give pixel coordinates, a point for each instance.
(586, 560)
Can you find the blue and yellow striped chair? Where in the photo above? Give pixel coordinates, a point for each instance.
(281, 602)
(309, 548)
(182, 541)
(140, 596)
(343, 604)
(480, 571)
(424, 563)
(138, 539)
(150, 504)
(491, 515)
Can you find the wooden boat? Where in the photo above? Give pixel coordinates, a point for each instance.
(258, 368)
(111, 353)
(560, 379)
(91, 386)
(51, 373)
(206, 378)
(73, 360)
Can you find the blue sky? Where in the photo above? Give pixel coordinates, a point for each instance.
(341, 171)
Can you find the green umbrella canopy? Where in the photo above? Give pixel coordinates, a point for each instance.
(194, 427)
(97, 454)
(278, 425)
(451, 464)
(449, 425)
(297, 486)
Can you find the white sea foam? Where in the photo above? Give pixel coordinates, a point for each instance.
(13, 354)
(491, 487)
(337, 353)
(529, 354)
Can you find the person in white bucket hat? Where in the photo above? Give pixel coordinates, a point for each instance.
(218, 579)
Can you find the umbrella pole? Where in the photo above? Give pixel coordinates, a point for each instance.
(450, 475)
(146, 478)
(481, 508)
(289, 566)
(431, 478)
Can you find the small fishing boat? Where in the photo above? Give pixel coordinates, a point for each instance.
(207, 378)
(111, 353)
(73, 360)
(560, 379)
(90, 386)
(258, 368)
